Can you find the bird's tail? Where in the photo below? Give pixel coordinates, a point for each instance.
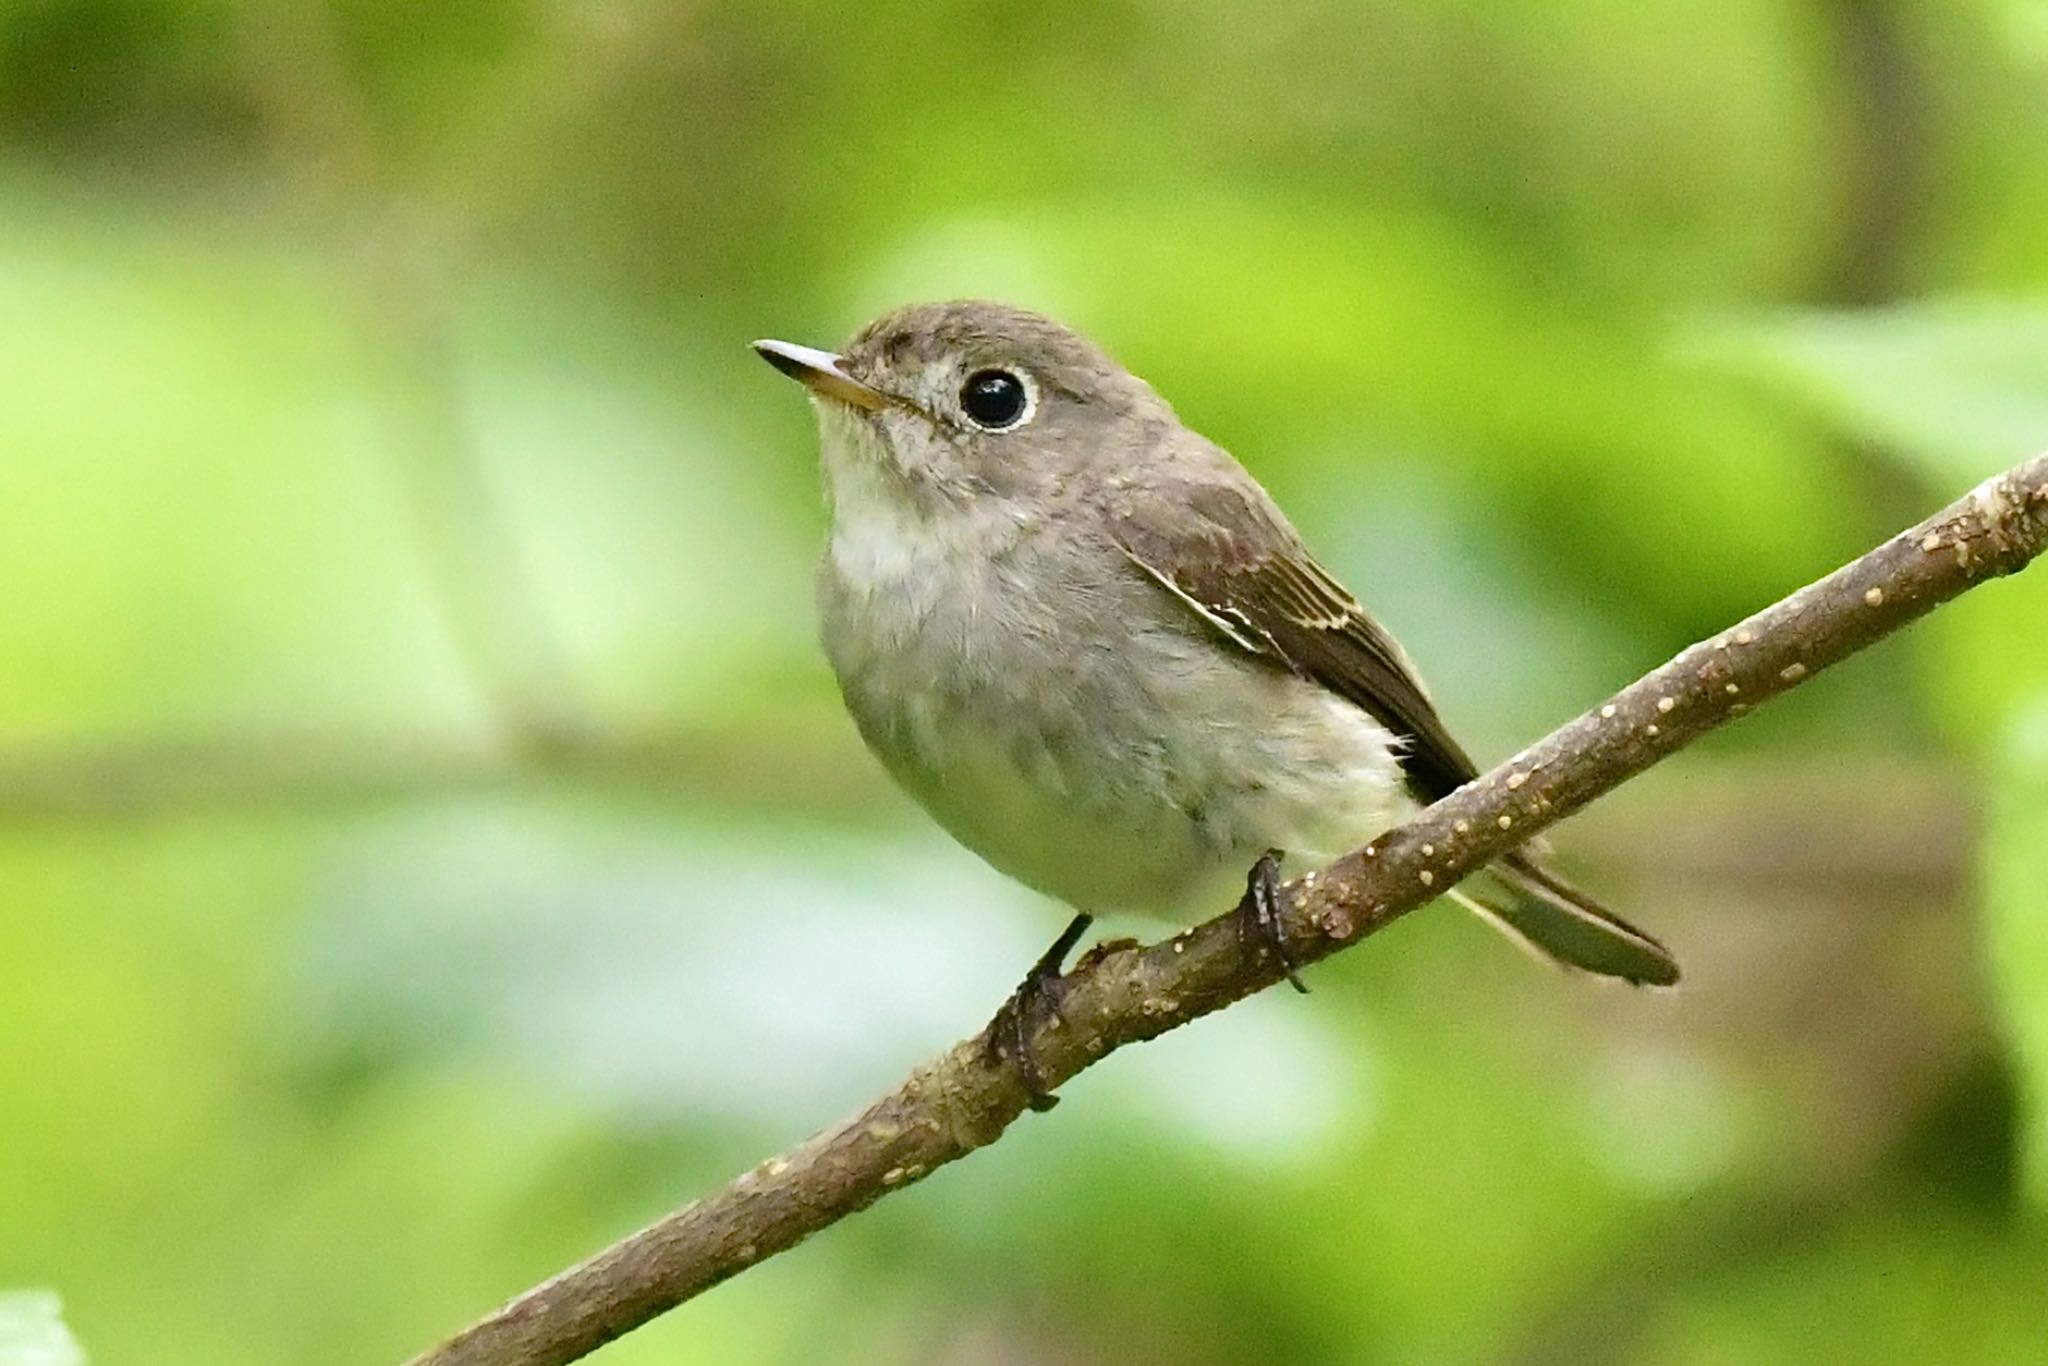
(1544, 913)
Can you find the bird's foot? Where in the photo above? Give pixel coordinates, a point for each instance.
(1258, 914)
(1009, 1033)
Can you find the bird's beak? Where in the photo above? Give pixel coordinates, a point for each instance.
(819, 371)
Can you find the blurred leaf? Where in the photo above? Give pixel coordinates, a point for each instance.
(1959, 390)
(193, 468)
(242, 529)
(32, 1331)
(1958, 387)
(2016, 912)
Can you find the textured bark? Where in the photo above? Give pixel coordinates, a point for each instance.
(1124, 994)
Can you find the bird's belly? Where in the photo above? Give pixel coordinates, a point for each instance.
(1052, 819)
(1133, 782)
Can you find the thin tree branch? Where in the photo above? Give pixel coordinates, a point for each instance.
(1753, 817)
(271, 767)
(1125, 994)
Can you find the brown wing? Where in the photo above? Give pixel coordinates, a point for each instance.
(1231, 556)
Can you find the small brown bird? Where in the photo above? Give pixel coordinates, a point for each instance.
(1095, 650)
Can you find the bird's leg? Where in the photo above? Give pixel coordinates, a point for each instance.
(1009, 1033)
(1258, 914)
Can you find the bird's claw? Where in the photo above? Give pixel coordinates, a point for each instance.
(1258, 914)
(1009, 1033)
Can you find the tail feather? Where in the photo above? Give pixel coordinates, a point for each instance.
(1544, 912)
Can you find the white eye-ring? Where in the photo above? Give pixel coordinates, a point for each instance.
(996, 399)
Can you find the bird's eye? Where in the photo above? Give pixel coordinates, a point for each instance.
(995, 400)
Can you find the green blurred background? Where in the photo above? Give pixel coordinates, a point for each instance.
(430, 845)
